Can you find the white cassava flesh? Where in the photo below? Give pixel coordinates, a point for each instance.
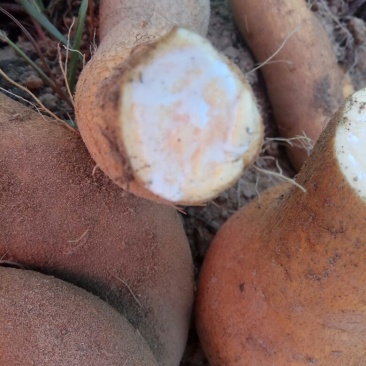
(350, 142)
(189, 122)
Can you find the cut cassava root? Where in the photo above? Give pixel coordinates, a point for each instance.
(303, 79)
(194, 143)
(48, 322)
(61, 216)
(171, 120)
(284, 280)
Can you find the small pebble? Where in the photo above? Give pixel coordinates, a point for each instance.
(361, 59)
(33, 82)
(49, 101)
(224, 214)
(358, 29)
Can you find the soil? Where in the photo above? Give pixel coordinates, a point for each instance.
(344, 21)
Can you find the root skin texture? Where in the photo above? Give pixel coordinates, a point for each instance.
(303, 80)
(45, 321)
(61, 216)
(161, 112)
(284, 281)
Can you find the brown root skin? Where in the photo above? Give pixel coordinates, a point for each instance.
(284, 280)
(99, 124)
(61, 216)
(109, 105)
(138, 15)
(303, 80)
(45, 321)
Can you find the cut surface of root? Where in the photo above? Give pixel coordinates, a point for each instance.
(350, 142)
(190, 123)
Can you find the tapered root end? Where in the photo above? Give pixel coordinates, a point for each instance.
(190, 124)
(350, 143)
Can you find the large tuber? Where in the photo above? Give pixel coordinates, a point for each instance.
(284, 280)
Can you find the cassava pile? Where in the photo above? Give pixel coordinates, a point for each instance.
(167, 118)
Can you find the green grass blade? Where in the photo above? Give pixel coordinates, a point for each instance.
(75, 57)
(53, 82)
(39, 4)
(39, 71)
(42, 20)
(43, 76)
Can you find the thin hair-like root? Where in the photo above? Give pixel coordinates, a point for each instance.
(179, 209)
(95, 169)
(64, 68)
(68, 44)
(64, 73)
(52, 78)
(256, 186)
(43, 107)
(93, 45)
(78, 239)
(279, 175)
(302, 141)
(79, 243)
(128, 287)
(24, 100)
(276, 52)
(348, 35)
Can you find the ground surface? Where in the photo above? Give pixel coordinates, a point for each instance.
(344, 21)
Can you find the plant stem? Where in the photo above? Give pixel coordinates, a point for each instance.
(75, 57)
(43, 76)
(39, 4)
(55, 86)
(41, 19)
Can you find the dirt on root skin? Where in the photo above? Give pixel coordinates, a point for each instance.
(344, 21)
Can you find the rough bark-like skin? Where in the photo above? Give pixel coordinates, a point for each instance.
(303, 80)
(58, 217)
(125, 26)
(284, 281)
(48, 322)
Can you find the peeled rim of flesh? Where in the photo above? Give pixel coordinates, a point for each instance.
(350, 142)
(190, 123)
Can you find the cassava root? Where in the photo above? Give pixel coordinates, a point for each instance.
(284, 281)
(161, 112)
(304, 82)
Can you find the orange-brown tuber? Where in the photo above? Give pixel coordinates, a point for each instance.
(303, 79)
(284, 280)
(62, 216)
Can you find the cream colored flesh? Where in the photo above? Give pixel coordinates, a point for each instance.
(188, 120)
(350, 142)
